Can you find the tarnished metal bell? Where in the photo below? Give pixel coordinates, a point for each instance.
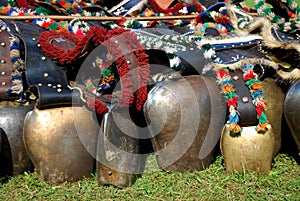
(61, 142)
(118, 160)
(248, 151)
(185, 117)
(13, 155)
(251, 150)
(292, 110)
(275, 98)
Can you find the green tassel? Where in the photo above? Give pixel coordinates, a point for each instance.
(230, 95)
(206, 46)
(53, 26)
(263, 118)
(106, 72)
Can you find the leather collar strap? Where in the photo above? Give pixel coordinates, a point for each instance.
(245, 107)
(41, 71)
(5, 65)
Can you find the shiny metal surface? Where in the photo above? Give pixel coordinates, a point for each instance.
(248, 152)
(179, 117)
(15, 159)
(275, 98)
(52, 140)
(118, 160)
(292, 112)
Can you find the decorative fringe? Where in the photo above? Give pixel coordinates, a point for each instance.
(289, 76)
(225, 82)
(239, 64)
(52, 51)
(255, 87)
(201, 27)
(23, 4)
(102, 36)
(98, 106)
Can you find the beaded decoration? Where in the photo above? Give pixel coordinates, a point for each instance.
(170, 44)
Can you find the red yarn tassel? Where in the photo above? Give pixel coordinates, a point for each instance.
(158, 9)
(23, 4)
(98, 106)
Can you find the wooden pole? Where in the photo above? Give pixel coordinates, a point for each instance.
(94, 18)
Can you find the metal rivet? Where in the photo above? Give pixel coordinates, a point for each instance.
(59, 90)
(116, 41)
(109, 173)
(245, 99)
(49, 85)
(39, 45)
(2, 61)
(191, 48)
(129, 62)
(40, 84)
(44, 58)
(232, 45)
(46, 74)
(3, 73)
(3, 83)
(54, 86)
(32, 97)
(59, 85)
(235, 77)
(34, 39)
(3, 44)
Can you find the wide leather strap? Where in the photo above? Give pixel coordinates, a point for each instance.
(233, 52)
(41, 71)
(56, 97)
(245, 107)
(191, 56)
(5, 66)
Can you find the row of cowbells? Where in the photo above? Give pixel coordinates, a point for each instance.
(184, 121)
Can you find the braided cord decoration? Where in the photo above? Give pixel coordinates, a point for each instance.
(256, 90)
(225, 82)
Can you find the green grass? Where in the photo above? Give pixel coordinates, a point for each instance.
(281, 183)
